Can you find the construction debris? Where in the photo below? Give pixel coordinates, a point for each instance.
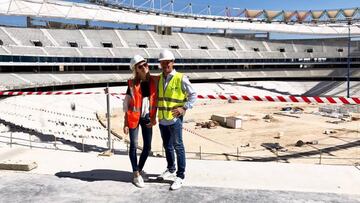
(221, 119)
(279, 135)
(288, 108)
(293, 110)
(273, 146)
(332, 111)
(336, 121)
(207, 124)
(347, 119)
(268, 117)
(314, 142)
(18, 165)
(227, 121)
(353, 118)
(301, 143)
(233, 122)
(328, 132)
(284, 114)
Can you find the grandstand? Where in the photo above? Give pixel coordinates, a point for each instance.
(62, 51)
(57, 51)
(50, 54)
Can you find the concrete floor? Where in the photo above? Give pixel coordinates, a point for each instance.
(86, 177)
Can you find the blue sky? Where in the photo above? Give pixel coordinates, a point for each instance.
(218, 5)
(277, 4)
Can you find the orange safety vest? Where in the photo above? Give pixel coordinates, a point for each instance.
(134, 108)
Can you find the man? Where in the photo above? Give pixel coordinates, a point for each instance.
(175, 96)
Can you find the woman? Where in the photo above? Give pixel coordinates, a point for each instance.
(140, 110)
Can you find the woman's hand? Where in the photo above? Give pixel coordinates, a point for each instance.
(126, 130)
(151, 123)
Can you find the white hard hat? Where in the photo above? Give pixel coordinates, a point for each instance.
(166, 55)
(135, 60)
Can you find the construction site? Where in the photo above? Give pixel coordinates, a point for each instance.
(263, 131)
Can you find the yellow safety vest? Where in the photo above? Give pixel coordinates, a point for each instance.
(171, 97)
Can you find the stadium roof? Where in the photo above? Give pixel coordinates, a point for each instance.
(82, 11)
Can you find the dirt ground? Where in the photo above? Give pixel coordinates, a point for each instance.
(341, 146)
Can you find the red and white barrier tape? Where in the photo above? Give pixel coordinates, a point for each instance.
(206, 138)
(282, 98)
(46, 93)
(289, 98)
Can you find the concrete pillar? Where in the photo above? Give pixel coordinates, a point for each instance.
(61, 67)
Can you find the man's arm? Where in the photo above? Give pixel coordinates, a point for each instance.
(190, 92)
(191, 98)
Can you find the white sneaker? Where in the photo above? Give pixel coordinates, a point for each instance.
(139, 182)
(177, 184)
(144, 175)
(166, 175)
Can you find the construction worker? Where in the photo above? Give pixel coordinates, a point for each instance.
(175, 96)
(140, 109)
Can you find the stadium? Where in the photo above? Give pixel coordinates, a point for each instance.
(56, 58)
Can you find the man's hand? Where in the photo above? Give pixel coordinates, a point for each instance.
(178, 111)
(126, 130)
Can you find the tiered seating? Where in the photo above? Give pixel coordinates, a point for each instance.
(134, 38)
(342, 90)
(6, 39)
(71, 78)
(225, 42)
(97, 37)
(298, 55)
(8, 81)
(145, 44)
(169, 41)
(63, 37)
(197, 40)
(154, 53)
(30, 118)
(66, 51)
(96, 52)
(272, 55)
(248, 55)
(303, 45)
(250, 45)
(38, 78)
(32, 34)
(128, 52)
(221, 54)
(193, 54)
(29, 51)
(102, 77)
(2, 51)
(277, 45)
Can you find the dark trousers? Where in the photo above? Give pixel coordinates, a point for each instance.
(147, 137)
(172, 140)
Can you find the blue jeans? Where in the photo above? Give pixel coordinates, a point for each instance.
(147, 137)
(172, 139)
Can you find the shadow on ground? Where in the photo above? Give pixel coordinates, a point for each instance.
(107, 175)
